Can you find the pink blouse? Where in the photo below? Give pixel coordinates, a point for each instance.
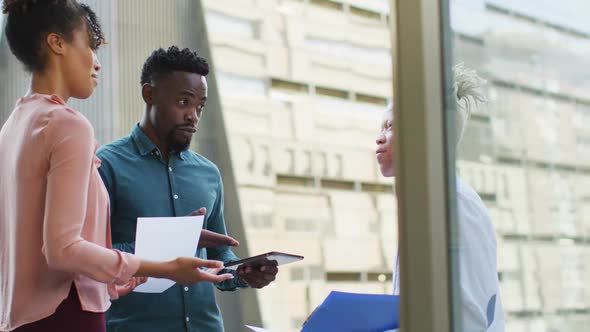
(54, 215)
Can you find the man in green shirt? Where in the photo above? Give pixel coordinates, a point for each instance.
(152, 173)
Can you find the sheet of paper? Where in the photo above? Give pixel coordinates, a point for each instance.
(163, 239)
(257, 329)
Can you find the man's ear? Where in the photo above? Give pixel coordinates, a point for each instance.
(55, 43)
(147, 92)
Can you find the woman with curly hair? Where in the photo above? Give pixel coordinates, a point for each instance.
(57, 270)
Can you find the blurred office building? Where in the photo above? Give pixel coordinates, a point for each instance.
(527, 153)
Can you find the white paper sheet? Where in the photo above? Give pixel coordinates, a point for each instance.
(164, 239)
(257, 329)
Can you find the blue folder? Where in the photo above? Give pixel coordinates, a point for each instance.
(349, 312)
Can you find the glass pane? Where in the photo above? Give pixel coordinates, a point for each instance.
(293, 77)
(522, 165)
(297, 92)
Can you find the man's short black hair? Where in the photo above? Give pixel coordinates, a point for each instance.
(30, 21)
(162, 62)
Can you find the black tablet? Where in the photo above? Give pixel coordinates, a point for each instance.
(280, 258)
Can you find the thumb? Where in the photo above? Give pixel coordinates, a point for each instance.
(214, 271)
(216, 278)
(200, 212)
(230, 241)
(207, 263)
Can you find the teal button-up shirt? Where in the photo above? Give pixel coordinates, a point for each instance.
(141, 184)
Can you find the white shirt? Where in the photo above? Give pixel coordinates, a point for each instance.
(478, 278)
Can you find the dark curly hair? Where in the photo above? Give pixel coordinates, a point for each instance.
(30, 21)
(162, 62)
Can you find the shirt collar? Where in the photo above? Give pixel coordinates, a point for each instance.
(183, 154)
(145, 144)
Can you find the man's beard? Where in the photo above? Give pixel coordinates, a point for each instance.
(175, 144)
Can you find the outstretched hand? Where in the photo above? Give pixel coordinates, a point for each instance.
(211, 239)
(190, 270)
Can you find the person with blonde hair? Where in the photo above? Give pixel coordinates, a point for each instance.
(476, 248)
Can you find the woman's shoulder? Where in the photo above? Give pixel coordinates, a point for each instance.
(55, 120)
(65, 120)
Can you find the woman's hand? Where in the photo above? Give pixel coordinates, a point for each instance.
(185, 270)
(188, 271)
(115, 291)
(130, 285)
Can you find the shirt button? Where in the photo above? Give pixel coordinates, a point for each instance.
(187, 319)
(169, 169)
(175, 196)
(186, 289)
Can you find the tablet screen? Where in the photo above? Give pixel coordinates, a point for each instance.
(265, 259)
